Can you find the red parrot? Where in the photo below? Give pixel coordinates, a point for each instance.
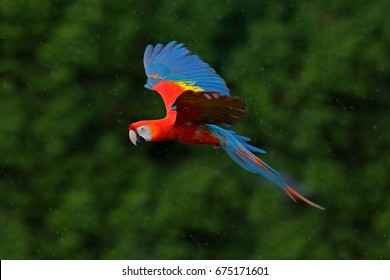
(199, 108)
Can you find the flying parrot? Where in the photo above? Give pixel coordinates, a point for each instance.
(199, 109)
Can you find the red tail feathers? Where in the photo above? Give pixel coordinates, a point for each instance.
(293, 194)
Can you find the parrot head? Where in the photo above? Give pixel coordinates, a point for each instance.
(140, 132)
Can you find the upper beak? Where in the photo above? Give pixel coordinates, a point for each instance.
(135, 137)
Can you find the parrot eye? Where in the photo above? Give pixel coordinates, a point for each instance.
(144, 132)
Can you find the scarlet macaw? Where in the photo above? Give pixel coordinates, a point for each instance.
(198, 110)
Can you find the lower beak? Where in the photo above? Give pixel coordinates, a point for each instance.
(135, 138)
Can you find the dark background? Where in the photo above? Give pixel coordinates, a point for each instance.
(315, 75)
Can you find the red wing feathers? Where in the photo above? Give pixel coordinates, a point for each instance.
(208, 108)
(169, 92)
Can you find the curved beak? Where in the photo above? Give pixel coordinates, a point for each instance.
(135, 138)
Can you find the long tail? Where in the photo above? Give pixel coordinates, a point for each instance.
(242, 153)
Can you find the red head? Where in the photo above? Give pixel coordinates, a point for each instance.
(141, 131)
(145, 131)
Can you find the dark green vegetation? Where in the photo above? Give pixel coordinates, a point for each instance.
(315, 75)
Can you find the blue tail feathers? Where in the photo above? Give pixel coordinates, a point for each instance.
(235, 145)
(238, 148)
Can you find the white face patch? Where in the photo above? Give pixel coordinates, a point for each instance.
(144, 132)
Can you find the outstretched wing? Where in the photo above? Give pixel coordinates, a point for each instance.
(172, 69)
(208, 108)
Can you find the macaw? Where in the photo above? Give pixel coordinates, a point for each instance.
(199, 109)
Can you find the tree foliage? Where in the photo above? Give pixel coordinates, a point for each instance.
(315, 75)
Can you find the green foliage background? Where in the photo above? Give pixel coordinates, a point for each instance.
(315, 75)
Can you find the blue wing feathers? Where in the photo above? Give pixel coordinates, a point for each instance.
(147, 56)
(160, 56)
(176, 63)
(155, 55)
